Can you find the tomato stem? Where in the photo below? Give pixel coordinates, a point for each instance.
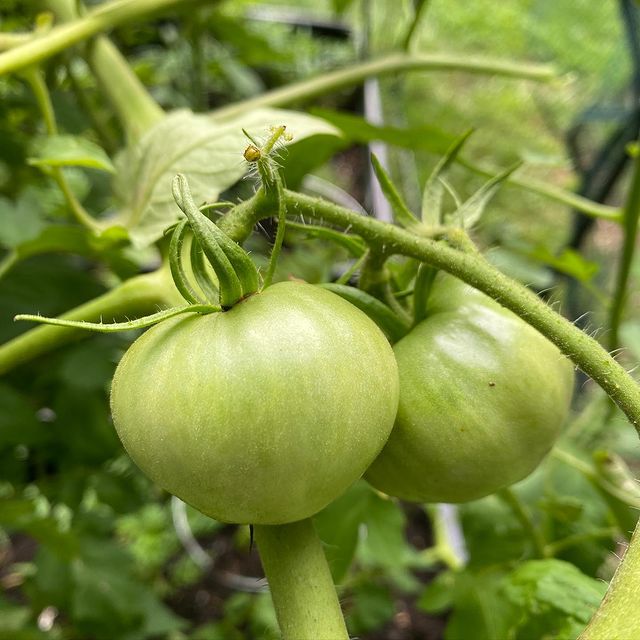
(277, 245)
(618, 616)
(301, 587)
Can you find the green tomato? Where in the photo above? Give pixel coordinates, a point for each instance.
(262, 414)
(483, 397)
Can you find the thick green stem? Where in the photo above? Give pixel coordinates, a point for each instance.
(103, 18)
(137, 296)
(334, 80)
(618, 617)
(630, 227)
(303, 594)
(135, 108)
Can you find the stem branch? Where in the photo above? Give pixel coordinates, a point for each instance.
(335, 80)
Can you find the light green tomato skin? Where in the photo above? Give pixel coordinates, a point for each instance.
(483, 397)
(262, 414)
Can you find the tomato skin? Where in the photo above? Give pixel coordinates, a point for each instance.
(262, 414)
(483, 397)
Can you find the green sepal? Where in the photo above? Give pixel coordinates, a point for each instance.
(199, 269)
(237, 275)
(138, 323)
(402, 215)
(391, 324)
(470, 211)
(421, 290)
(434, 189)
(175, 263)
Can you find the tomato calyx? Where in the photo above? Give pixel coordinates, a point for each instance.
(237, 275)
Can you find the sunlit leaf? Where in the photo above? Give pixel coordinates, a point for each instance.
(207, 151)
(69, 151)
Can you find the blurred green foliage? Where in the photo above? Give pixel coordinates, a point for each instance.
(89, 548)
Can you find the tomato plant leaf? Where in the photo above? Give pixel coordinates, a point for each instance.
(206, 150)
(68, 151)
(554, 599)
(435, 187)
(468, 214)
(21, 220)
(357, 129)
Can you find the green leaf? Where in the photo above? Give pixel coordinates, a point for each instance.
(340, 6)
(20, 220)
(18, 423)
(468, 214)
(108, 602)
(519, 266)
(480, 609)
(434, 189)
(438, 595)
(372, 606)
(17, 623)
(338, 526)
(554, 599)
(362, 521)
(569, 262)
(68, 151)
(206, 150)
(357, 129)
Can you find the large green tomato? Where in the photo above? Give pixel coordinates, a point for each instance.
(483, 397)
(262, 414)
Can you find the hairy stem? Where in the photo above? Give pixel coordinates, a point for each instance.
(334, 80)
(585, 352)
(303, 594)
(137, 296)
(618, 617)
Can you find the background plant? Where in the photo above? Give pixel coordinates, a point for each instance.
(76, 512)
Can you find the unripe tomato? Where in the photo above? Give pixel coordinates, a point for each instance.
(261, 414)
(483, 397)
